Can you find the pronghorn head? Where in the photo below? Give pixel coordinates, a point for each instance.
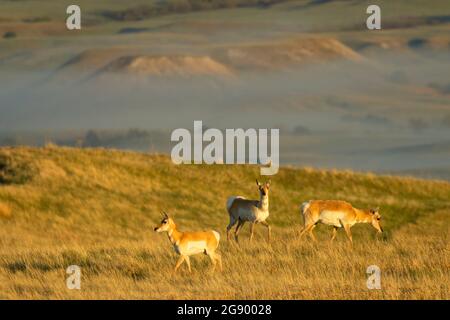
(376, 218)
(263, 188)
(166, 224)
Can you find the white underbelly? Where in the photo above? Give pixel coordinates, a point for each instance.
(192, 247)
(332, 218)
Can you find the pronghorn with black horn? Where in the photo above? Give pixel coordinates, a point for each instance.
(337, 214)
(189, 243)
(242, 210)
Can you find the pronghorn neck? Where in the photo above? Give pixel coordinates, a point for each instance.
(174, 235)
(363, 216)
(263, 202)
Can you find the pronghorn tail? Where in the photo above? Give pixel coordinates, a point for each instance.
(304, 207)
(230, 201)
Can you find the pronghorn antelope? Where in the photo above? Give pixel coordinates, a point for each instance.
(242, 210)
(337, 214)
(189, 243)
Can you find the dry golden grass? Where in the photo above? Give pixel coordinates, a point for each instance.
(5, 211)
(96, 209)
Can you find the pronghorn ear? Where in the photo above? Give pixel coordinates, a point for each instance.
(269, 182)
(257, 183)
(165, 215)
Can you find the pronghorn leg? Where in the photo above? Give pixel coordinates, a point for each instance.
(305, 229)
(311, 234)
(334, 233)
(215, 258)
(238, 228)
(230, 225)
(269, 229)
(179, 262)
(349, 233)
(218, 257)
(188, 262)
(212, 257)
(252, 230)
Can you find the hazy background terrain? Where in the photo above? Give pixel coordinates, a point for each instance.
(342, 96)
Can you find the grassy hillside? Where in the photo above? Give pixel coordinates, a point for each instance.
(97, 208)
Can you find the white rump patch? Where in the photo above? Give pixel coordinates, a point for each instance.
(304, 206)
(217, 235)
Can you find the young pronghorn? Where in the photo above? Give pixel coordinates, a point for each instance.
(242, 210)
(337, 214)
(189, 243)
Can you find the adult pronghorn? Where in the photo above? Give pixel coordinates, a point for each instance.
(189, 243)
(242, 210)
(337, 214)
